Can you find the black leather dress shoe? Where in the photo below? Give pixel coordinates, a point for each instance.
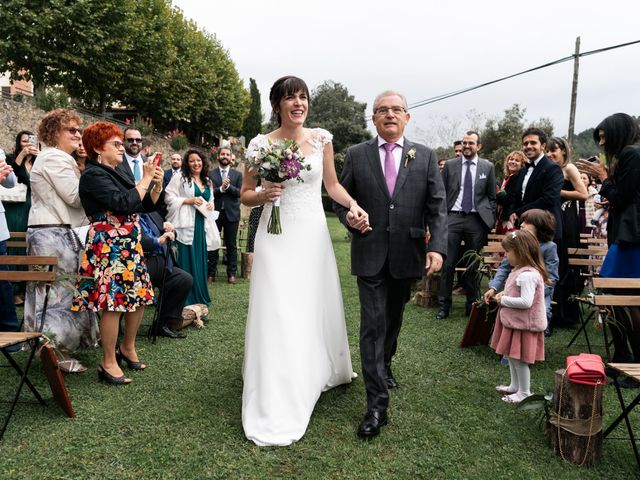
(442, 314)
(167, 332)
(370, 425)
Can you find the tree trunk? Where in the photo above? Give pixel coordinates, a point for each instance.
(576, 407)
(427, 295)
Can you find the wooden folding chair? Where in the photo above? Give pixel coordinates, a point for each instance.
(631, 370)
(10, 339)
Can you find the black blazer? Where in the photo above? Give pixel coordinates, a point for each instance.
(231, 196)
(622, 190)
(543, 191)
(106, 189)
(399, 222)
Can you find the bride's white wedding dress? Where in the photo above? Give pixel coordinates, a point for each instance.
(296, 339)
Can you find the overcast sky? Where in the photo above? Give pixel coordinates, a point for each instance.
(428, 48)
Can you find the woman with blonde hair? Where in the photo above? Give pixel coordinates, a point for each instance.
(512, 165)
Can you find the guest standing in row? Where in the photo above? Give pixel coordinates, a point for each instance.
(113, 275)
(196, 232)
(55, 211)
(512, 165)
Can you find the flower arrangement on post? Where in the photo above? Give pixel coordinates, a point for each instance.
(279, 161)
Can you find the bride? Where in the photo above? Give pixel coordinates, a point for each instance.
(296, 339)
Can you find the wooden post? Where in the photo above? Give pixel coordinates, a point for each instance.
(577, 402)
(574, 92)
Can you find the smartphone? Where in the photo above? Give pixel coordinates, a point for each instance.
(593, 159)
(33, 140)
(158, 158)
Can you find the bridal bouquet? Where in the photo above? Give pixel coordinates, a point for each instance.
(280, 160)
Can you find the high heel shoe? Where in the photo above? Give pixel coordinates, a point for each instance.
(131, 365)
(106, 377)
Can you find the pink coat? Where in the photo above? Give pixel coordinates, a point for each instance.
(534, 318)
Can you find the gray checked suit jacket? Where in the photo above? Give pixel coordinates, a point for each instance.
(399, 223)
(484, 190)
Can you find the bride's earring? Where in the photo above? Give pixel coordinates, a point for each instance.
(99, 158)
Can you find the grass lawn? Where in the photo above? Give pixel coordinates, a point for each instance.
(181, 417)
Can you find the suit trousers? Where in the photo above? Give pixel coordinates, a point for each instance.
(382, 302)
(177, 285)
(8, 318)
(230, 234)
(471, 229)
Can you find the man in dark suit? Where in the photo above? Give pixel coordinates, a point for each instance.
(471, 205)
(539, 182)
(155, 236)
(176, 163)
(397, 182)
(227, 182)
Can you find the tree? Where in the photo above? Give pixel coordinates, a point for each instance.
(253, 123)
(334, 109)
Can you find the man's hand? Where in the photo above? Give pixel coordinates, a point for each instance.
(434, 263)
(225, 184)
(166, 237)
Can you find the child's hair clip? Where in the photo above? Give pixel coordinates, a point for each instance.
(513, 234)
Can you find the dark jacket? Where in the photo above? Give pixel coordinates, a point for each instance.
(231, 196)
(622, 190)
(399, 222)
(106, 189)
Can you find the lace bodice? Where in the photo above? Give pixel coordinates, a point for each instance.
(301, 198)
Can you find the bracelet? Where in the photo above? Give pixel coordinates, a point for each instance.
(146, 187)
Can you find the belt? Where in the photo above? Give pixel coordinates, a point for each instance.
(50, 225)
(460, 212)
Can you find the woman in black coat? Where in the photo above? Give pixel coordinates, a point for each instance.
(113, 275)
(619, 135)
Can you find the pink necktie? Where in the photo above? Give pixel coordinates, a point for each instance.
(390, 173)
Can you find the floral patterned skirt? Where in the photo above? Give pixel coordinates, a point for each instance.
(112, 274)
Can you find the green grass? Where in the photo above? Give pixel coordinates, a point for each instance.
(181, 417)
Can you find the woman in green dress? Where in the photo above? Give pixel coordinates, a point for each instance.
(189, 199)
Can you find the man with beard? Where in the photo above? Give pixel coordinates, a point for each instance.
(471, 205)
(133, 158)
(539, 182)
(227, 182)
(176, 163)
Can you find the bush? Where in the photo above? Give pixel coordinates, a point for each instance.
(52, 98)
(143, 125)
(178, 140)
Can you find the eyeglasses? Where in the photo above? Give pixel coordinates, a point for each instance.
(133, 140)
(116, 143)
(394, 110)
(74, 130)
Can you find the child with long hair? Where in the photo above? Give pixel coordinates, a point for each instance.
(521, 319)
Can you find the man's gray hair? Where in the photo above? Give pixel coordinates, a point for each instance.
(388, 93)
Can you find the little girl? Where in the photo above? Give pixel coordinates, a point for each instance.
(521, 320)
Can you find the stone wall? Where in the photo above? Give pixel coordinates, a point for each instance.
(24, 115)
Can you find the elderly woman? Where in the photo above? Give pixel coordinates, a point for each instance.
(619, 135)
(55, 212)
(113, 275)
(189, 197)
(512, 165)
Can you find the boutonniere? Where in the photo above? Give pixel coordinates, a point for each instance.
(411, 154)
(482, 176)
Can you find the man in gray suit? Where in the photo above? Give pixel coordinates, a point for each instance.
(470, 182)
(398, 184)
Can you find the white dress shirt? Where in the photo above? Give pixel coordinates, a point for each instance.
(132, 166)
(457, 207)
(529, 172)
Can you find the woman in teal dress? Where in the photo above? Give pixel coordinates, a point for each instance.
(190, 203)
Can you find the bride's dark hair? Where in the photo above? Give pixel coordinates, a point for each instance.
(281, 88)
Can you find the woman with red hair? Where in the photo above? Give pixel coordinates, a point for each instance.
(113, 276)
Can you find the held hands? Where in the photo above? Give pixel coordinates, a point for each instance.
(498, 298)
(357, 218)
(434, 263)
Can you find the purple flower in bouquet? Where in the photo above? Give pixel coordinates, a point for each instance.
(279, 161)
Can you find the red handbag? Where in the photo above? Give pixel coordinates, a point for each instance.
(586, 368)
